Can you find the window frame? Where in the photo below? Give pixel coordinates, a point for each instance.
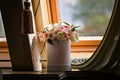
(53, 16)
(3, 45)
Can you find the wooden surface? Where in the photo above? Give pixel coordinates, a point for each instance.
(68, 75)
(29, 75)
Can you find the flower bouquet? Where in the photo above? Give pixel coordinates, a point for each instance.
(58, 38)
(59, 31)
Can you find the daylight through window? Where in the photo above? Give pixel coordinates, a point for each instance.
(92, 15)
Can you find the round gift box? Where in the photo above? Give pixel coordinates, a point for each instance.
(58, 56)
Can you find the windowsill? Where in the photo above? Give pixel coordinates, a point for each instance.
(3, 45)
(3, 42)
(86, 44)
(88, 41)
(85, 47)
(88, 38)
(82, 39)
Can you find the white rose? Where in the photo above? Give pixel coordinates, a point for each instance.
(75, 37)
(60, 36)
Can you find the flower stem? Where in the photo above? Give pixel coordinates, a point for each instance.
(42, 49)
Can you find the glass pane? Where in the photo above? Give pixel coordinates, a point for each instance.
(2, 33)
(92, 15)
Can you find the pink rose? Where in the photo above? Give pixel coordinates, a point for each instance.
(42, 36)
(66, 30)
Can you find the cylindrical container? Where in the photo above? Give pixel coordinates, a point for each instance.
(58, 56)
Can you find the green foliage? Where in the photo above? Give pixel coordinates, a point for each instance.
(72, 26)
(93, 13)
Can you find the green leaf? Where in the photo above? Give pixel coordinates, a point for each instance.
(66, 23)
(74, 27)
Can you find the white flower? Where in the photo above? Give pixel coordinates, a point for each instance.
(48, 28)
(75, 37)
(60, 36)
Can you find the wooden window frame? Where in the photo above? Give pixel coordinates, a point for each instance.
(53, 16)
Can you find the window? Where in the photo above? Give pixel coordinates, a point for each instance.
(4, 56)
(92, 15)
(53, 10)
(2, 33)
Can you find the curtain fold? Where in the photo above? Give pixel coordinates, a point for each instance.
(37, 15)
(39, 25)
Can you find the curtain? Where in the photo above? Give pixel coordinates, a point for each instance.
(39, 24)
